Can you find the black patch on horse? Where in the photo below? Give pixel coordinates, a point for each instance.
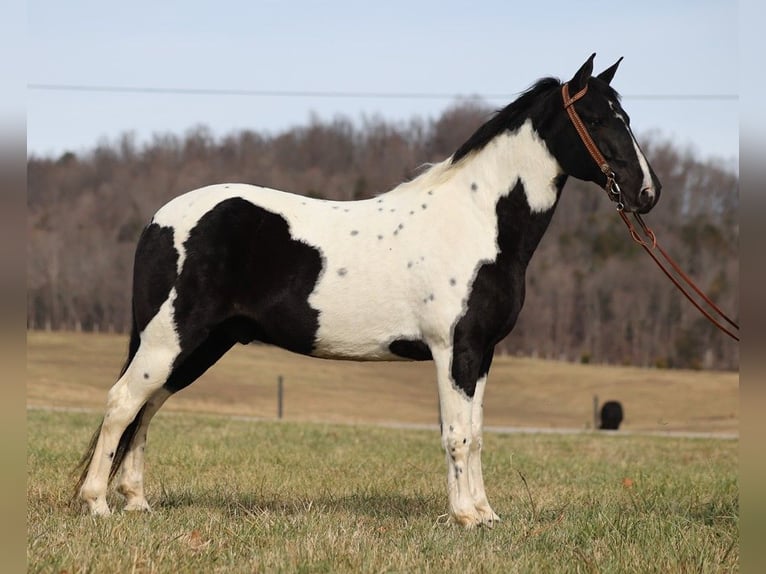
(154, 272)
(497, 292)
(244, 270)
(414, 349)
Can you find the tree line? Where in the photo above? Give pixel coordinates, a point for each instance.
(592, 294)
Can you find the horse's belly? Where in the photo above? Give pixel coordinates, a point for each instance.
(362, 332)
(380, 301)
(356, 351)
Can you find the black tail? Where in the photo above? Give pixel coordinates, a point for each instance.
(127, 437)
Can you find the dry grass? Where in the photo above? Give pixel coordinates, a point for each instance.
(75, 370)
(244, 496)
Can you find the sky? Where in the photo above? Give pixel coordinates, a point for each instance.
(395, 60)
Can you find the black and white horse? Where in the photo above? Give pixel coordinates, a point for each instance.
(432, 270)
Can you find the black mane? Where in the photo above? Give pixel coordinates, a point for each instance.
(509, 118)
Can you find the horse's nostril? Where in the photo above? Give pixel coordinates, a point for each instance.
(646, 195)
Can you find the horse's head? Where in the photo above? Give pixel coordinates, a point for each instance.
(595, 142)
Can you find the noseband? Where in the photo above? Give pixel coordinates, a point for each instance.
(611, 187)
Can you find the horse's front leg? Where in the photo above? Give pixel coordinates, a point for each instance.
(475, 475)
(456, 431)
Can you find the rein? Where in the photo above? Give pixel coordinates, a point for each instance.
(649, 241)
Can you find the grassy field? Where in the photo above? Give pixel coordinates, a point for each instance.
(247, 496)
(309, 495)
(76, 370)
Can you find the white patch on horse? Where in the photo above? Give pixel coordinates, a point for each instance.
(358, 318)
(527, 156)
(647, 179)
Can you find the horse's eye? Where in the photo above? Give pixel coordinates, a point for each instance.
(595, 122)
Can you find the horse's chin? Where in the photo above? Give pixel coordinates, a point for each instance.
(645, 208)
(629, 208)
(632, 207)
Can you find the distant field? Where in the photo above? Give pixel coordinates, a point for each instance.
(75, 370)
(236, 496)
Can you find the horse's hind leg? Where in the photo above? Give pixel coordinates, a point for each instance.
(131, 482)
(145, 375)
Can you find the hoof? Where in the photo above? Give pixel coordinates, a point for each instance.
(96, 503)
(98, 508)
(137, 506)
(467, 520)
(488, 517)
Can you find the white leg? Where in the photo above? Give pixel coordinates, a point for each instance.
(456, 438)
(145, 375)
(475, 477)
(131, 484)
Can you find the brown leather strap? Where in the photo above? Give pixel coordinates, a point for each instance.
(681, 273)
(649, 248)
(590, 145)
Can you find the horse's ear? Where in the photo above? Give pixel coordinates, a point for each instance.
(580, 79)
(608, 74)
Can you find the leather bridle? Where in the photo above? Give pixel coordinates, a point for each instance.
(649, 243)
(611, 187)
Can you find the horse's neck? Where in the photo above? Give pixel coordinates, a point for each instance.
(517, 181)
(510, 158)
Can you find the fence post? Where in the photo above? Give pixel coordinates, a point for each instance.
(280, 396)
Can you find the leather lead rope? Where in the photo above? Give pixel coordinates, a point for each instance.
(652, 244)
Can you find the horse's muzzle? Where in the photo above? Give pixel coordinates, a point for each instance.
(647, 199)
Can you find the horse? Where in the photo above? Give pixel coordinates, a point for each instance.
(433, 269)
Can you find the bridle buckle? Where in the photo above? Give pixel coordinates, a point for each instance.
(612, 187)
